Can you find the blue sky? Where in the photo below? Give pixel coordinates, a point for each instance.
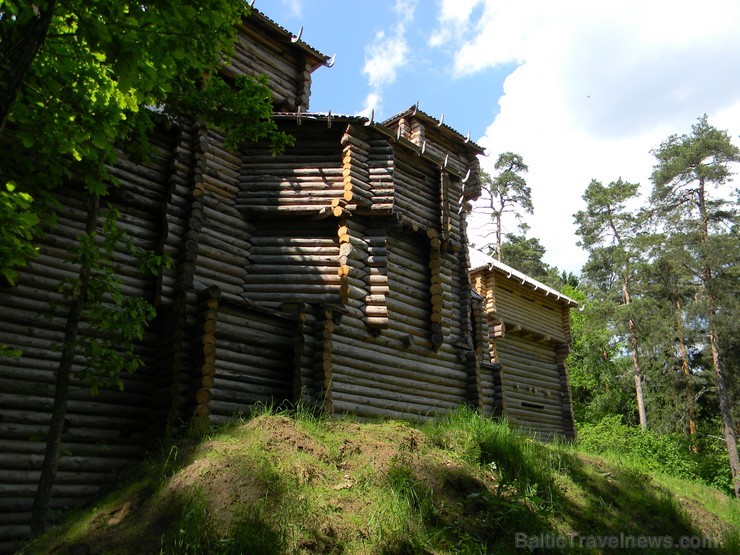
(582, 89)
(349, 28)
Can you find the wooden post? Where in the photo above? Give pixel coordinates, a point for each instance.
(376, 309)
(323, 359)
(353, 257)
(355, 171)
(435, 288)
(208, 304)
(444, 206)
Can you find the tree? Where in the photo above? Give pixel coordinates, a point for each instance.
(690, 169)
(507, 192)
(115, 322)
(23, 30)
(78, 80)
(668, 284)
(525, 254)
(599, 375)
(608, 231)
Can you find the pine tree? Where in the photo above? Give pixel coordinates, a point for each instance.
(506, 192)
(608, 231)
(687, 192)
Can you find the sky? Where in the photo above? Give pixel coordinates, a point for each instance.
(582, 89)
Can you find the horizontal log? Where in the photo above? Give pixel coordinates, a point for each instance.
(327, 268)
(529, 348)
(362, 405)
(230, 409)
(68, 463)
(325, 259)
(295, 242)
(547, 383)
(297, 169)
(345, 372)
(243, 393)
(378, 355)
(341, 387)
(534, 408)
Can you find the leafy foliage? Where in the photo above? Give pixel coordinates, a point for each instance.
(692, 204)
(18, 230)
(525, 254)
(104, 74)
(611, 234)
(114, 321)
(600, 376)
(665, 453)
(686, 162)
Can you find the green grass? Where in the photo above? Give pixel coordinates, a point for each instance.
(301, 483)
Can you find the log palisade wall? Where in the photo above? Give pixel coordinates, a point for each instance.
(334, 274)
(529, 335)
(105, 432)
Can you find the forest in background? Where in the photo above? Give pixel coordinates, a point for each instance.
(656, 339)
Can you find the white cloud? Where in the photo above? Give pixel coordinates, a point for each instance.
(373, 103)
(295, 7)
(597, 85)
(454, 21)
(405, 10)
(383, 58)
(386, 54)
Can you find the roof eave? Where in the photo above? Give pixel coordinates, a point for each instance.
(416, 112)
(525, 279)
(316, 58)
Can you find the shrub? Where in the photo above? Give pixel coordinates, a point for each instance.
(669, 453)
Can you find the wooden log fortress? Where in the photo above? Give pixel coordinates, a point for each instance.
(529, 337)
(335, 274)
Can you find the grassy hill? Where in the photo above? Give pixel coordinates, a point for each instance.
(464, 484)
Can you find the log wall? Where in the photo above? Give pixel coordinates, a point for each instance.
(529, 334)
(289, 72)
(532, 384)
(183, 221)
(518, 305)
(392, 374)
(439, 142)
(246, 357)
(304, 179)
(402, 371)
(416, 187)
(292, 262)
(104, 432)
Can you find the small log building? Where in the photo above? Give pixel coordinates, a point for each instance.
(528, 338)
(335, 274)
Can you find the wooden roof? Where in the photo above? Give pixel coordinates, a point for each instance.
(447, 131)
(480, 261)
(261, 21)
(328, 118)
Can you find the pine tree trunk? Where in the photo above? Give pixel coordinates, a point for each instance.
(18, 48)
(42, 498)
(641, 413)
(728, 427)
(498, 238)
(690, 403)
